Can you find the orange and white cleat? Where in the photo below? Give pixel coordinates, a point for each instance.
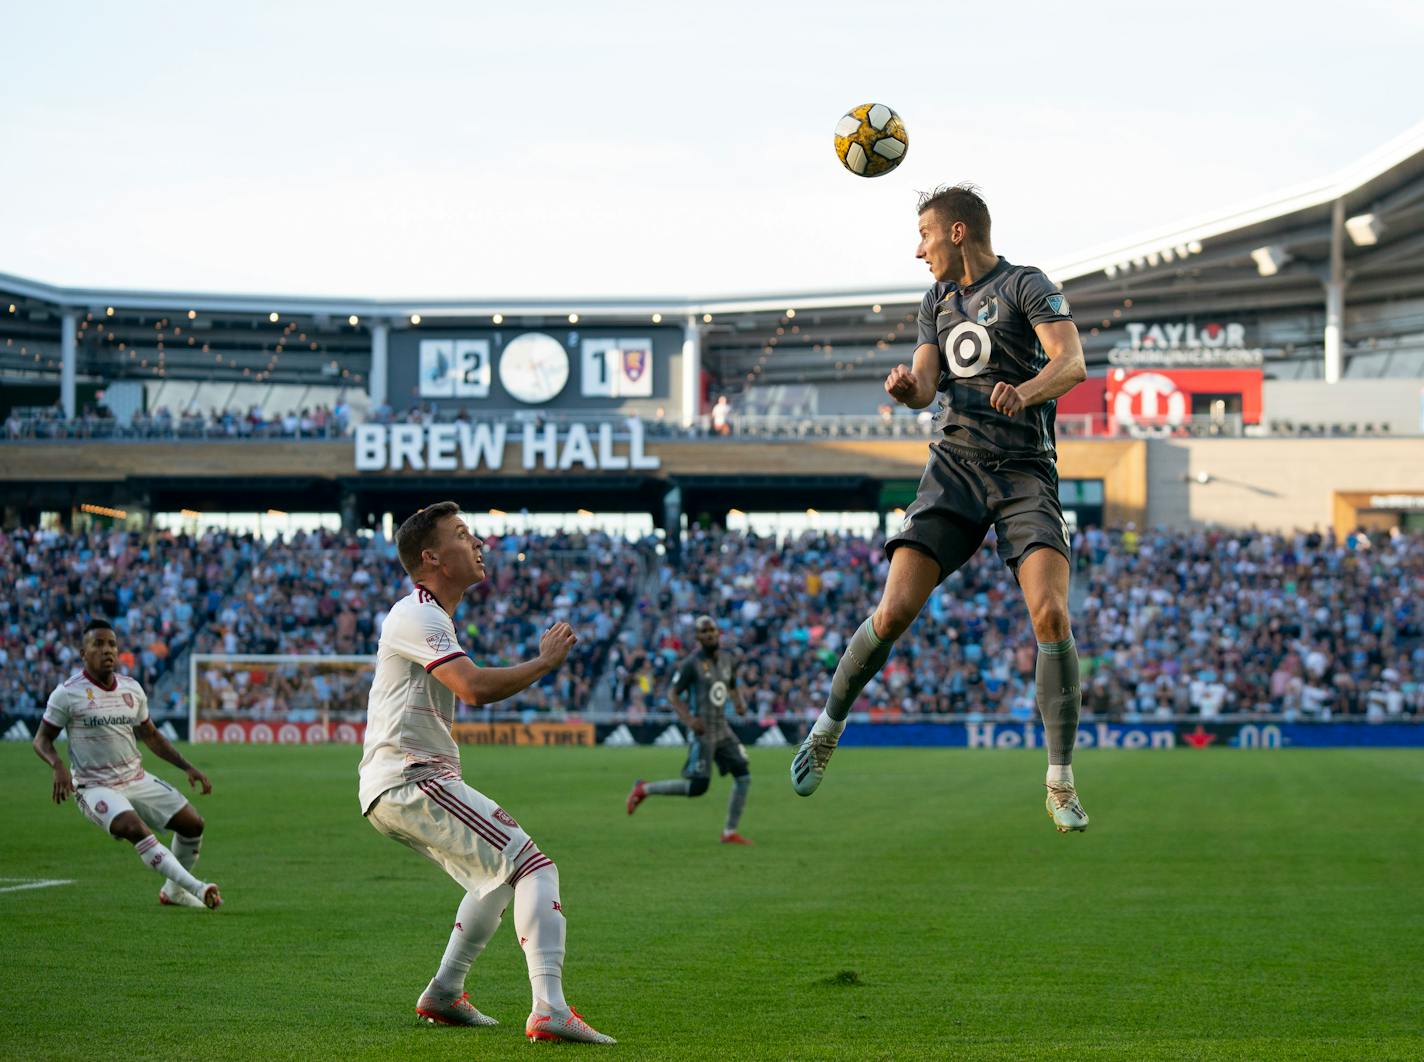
(450, 1010)
(733, 837)
(638, 794)
(176, 896)
(212, 899)
(565, 1024)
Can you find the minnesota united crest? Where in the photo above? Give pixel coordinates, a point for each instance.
(988, 311)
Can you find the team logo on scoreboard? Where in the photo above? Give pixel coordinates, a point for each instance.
(438, 642)
(635, 363)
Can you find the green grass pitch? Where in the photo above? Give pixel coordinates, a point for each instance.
(1225, 904)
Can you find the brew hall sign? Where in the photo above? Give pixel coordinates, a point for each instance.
(466, 447)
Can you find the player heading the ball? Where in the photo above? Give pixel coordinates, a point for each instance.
(997, 345)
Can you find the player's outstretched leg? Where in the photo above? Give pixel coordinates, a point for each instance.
(539, 921)
(186, 846)
(913, 576)
(736, 804)
(156, 857)
(445, 1001)
(671, 787)
(1043, 574)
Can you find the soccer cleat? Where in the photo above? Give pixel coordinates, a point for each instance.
(563, 1025)
(1063, 808)
(212, 899)
(808, 766)
(733, 837)
(638, 794)
(450, 1010)
(176, 896)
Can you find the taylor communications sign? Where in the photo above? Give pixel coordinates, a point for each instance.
(466, 447)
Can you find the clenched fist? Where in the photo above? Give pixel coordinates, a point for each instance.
(902, 384)
(1006, 399)
(555, 645)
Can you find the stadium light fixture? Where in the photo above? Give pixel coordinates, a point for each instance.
(875, 308)
(273, 317)
(415, 318)
(353, 320)
(1364, 229)
(498, 318)
(657, 318)
(1270, 259)
(573, 318)
(790, 312)
(109, 312)
(192, 314)
(706, 318)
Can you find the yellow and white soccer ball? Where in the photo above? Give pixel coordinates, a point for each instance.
(871, 140)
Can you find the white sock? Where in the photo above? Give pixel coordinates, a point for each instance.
(1062, 773)
(186, 849)
(826, 725)
(154, 855)
(539, 921)
(475, 923)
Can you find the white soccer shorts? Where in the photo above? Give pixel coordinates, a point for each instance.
(460, 830)
(155, 801)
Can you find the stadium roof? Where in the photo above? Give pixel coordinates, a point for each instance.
(1273, 254)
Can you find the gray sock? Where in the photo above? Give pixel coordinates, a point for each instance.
(1059, 697)
(737, 803)
(672, 787)
(865, 654)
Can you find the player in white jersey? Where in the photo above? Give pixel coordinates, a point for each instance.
(412, 792)
(102, 712)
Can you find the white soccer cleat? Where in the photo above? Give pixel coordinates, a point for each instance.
(567, 1024)
(440, 1009)
(212, 898)
(808, 766)
(176, 896)
(1063, 808)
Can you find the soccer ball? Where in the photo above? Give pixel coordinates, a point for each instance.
(871, 140)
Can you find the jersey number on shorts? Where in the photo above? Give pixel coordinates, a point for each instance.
(967, 349)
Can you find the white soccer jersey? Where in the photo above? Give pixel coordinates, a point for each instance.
(100, 721)
(409, 714)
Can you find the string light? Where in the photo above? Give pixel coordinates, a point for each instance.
(104, 510)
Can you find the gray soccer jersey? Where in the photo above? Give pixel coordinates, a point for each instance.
(985, 335)
(711, 680)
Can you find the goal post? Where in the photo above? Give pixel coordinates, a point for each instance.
(290, 699)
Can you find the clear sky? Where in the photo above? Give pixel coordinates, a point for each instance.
(472, 149)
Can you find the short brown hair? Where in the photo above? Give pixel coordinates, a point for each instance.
(959, 202)
(417, 533)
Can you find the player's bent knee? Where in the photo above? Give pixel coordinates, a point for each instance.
(1051, 622)
(129, 827)
(697, 786)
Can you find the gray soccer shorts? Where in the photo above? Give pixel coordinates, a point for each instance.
(728, 753)
(963, 493)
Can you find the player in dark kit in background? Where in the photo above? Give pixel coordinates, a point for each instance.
(997, 345)
(707, 678)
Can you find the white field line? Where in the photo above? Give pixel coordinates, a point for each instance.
(34, 883)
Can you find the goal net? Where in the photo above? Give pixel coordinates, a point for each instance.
(289, 700)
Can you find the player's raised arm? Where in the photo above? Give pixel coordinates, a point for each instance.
(163, 748)
(44, 748)
(485, 685)
(1065, 369)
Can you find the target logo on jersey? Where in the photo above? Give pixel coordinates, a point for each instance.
(718, 694)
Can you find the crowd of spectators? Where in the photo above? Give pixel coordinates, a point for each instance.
(1201, 623)
(157, 589)
(327, 593)
(98, 422)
